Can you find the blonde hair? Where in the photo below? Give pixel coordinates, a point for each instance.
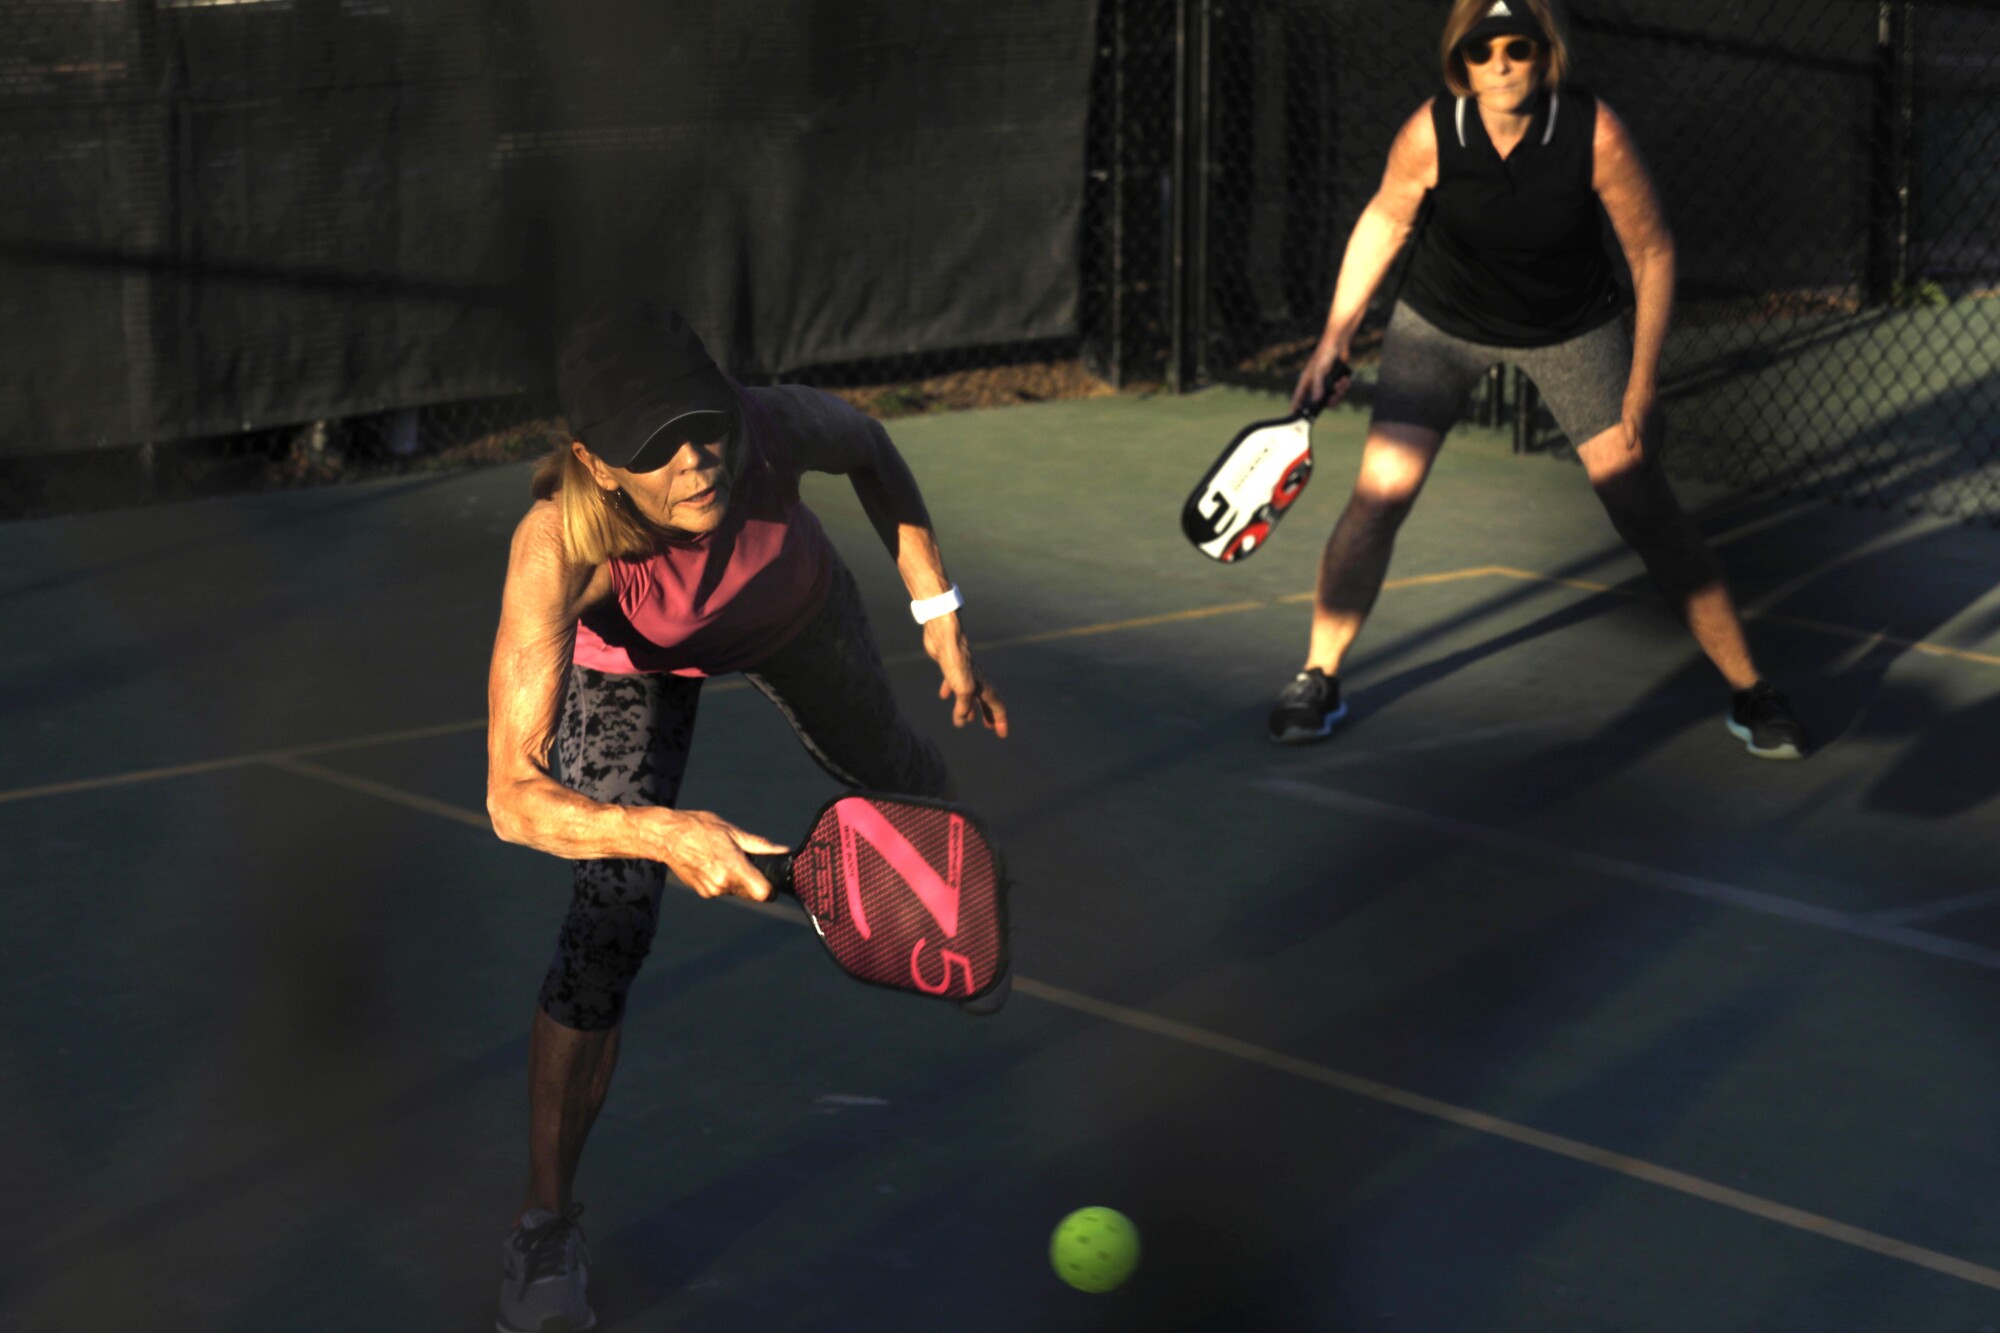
(597, 525)
(1465, 16)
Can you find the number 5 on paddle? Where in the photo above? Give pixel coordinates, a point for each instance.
(905, 892)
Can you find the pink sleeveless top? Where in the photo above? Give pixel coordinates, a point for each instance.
(730, 598)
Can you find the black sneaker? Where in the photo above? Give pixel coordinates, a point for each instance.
(1307, 708)
(1762, 719)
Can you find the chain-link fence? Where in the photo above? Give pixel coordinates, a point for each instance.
(285, 241)
(1831, 169)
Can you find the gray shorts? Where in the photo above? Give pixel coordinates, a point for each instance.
(1427, 375)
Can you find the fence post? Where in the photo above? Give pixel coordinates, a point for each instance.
(1491, 408)
(1119, 112)
(1894, 136)
(1188, 221)
(1201, 176)
(1527, 407)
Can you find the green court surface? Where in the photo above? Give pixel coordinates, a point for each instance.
(1526, 1002)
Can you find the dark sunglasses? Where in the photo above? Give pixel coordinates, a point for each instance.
(688, 428)
(1520, 50)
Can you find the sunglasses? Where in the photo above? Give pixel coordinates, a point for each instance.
(1519, 50)
(715, 428)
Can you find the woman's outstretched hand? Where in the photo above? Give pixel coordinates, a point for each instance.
(971, 694)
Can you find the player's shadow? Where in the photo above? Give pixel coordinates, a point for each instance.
(1381, 694)
(1789, 561)
(1948, 766)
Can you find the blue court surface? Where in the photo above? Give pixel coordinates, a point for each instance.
(1526, 1002)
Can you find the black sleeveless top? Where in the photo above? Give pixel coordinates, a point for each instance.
(1511, 251)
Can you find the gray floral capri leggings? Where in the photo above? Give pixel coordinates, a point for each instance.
(624, 740)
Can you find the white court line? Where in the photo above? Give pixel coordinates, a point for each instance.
(1937, 911)
(382, 791)
(1870, 641)
(476, 819)
(1715, 891)
(1480, 1122)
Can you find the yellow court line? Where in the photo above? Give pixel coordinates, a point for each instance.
(1870, 637)
(455, 728)
(1529, 576)
(1412, 581)
(270, 756)
(1876, 636)
(1141, 622)
(1222, 609)
(1477, 1121)
(1046, 636)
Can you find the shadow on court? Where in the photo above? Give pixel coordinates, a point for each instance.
(1528, 1001)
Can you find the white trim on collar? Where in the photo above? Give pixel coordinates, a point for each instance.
(1548, 134)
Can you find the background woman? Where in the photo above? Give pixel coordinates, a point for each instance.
(1510, 266)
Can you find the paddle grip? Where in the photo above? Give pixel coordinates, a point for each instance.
(777, 868)
(1338, 371)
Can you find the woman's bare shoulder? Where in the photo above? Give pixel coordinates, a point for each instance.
(1414, 154)
(540, 560)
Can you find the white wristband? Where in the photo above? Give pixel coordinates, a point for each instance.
(930, 608)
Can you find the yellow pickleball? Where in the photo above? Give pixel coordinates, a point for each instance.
(1094, 1249)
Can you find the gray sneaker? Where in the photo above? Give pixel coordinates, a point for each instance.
(547, 1265)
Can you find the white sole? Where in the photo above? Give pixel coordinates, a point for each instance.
(1742, 733)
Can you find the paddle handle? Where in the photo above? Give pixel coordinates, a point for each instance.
(777, 868)
(1335, 373)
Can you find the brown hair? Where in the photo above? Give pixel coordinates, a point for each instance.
(597, 525)
(1465, 16)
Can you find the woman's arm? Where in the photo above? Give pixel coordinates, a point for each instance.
(1379, 236)
(851, 443)
(1633, 205)
(544, 595)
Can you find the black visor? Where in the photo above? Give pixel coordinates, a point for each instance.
(703, 426)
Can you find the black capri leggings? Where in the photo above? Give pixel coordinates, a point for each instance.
(624, 740)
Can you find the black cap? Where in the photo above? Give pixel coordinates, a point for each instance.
(628, 370)
(1506, 18)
